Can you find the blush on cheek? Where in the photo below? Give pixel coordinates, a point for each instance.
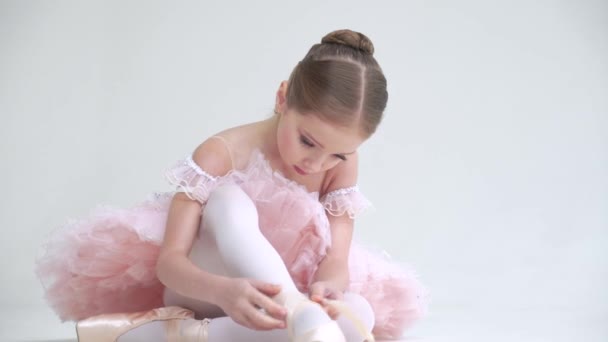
(331, 164)
(285, 145)
(284, 141)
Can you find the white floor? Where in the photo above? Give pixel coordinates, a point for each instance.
(453, 325)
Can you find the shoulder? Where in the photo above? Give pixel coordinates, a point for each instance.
(343, 175)
(213, 157)
(222, 152)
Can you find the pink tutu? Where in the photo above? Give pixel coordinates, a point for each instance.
(105, 263)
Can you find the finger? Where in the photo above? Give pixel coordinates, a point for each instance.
(333, 312)
(260, 321)
(266, 288)
(335, 308)
(271, 307)
(334, 294)
(317, 292)
(317, 299)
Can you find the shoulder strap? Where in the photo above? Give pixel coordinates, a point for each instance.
(227, 145)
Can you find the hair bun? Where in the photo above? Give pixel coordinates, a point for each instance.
(356, 40)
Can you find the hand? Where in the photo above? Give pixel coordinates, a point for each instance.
(248, 302)
(320, 291)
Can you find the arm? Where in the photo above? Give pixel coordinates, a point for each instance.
(331, 278)
(240, 298)
(174, 268)
(333, 269)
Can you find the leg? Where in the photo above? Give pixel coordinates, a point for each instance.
(230, 243)
(230, 219)
(224, 329)
(230, 223)
(246, 252)
(156, 325)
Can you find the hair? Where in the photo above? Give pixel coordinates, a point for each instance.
(340, 81)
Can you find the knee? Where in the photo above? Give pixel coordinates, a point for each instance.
(228, 206)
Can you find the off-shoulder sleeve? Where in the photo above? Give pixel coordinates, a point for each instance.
(346, 200)
(189, 178)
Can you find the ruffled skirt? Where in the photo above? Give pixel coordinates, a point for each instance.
(105, 263)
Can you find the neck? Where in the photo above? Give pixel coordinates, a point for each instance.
(270, 147)
(269, 138)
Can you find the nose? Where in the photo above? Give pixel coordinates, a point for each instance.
(313, 163)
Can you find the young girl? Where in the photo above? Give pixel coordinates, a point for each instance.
(256, 243)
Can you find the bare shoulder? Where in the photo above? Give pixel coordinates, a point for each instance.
(213, 157)
(343, 175)
(216, 154)
(242, 134)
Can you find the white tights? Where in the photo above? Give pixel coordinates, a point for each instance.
(230, 243)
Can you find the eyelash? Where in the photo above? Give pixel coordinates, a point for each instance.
(308, 143)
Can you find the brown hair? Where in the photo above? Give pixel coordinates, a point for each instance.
(340, 80)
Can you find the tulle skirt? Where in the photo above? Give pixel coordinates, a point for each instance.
(105, 263)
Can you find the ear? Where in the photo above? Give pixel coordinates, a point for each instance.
(280, 104)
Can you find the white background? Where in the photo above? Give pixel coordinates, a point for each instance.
(489, 172)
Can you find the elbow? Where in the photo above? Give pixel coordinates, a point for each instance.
(163, 267)
(160, 269)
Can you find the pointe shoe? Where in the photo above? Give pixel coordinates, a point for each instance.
(109, 327)
(328, 332)
(350, 315)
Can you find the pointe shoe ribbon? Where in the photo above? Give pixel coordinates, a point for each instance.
(327, 332)
(343, 309)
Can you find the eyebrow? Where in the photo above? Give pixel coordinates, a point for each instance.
(306, 134)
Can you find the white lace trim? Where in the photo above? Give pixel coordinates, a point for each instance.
(197, 184)
(190, 162)
(341, 192)
(346, 200)
(190, 179)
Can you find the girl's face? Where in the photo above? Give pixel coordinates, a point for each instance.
(309, 145)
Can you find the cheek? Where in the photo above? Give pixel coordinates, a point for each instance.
(286, 144)
(331, 163)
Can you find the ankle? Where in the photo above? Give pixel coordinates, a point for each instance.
(191, 330)
(289, 299)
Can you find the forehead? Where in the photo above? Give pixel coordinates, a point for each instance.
(333, 137)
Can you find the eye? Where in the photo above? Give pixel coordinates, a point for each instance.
(340, 156)
(306, 142)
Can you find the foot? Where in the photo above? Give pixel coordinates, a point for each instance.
(307, 321)
(350, 315)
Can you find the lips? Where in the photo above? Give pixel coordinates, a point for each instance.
(300, 171)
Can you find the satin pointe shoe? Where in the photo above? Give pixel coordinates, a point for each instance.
(109, 327)
(344, 310)
(328, 332)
